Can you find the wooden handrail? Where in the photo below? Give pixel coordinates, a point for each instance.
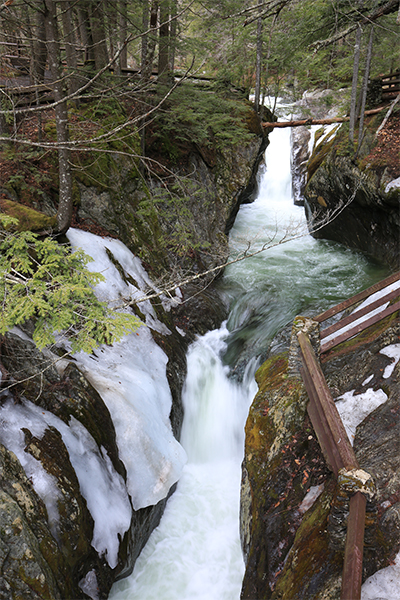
(332, 436)
(339, 454)
(330, 431)
(346, 335)
(357, 298)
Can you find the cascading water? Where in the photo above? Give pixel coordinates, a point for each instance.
(195, 552)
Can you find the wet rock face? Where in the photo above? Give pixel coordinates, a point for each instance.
(42, 560)
(282, 461)
(58, 555)
(293, 549)
(365, 217)
(300, 137)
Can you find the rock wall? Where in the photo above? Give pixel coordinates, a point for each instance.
(293, 523)
(356, 200)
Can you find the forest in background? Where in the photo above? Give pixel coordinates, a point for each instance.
(84, 79)
(174, 67)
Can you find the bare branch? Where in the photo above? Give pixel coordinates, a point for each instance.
(387, 8)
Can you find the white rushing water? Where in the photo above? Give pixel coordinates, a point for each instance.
(195, 552)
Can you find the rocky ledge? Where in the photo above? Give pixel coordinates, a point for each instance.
(293, 520)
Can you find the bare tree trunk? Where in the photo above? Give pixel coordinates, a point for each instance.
(96, 14)
(151, 42)
(85, 33)
(145, 26)
(40, 49)
(70, 47)
(365, 88)
(64, 213)
(353, 99)
(163, 43)
(123, 30)
(173, 34)
(258, 60)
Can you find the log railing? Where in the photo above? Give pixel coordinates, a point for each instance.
(390, 85)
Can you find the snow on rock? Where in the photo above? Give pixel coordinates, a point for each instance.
(354, 409)
(90, 586)
(101, 486)
(131, 378)
(114, 288)
(392, 351)
(393, 185)
(13, 417)
(384, 584)
(312, 495)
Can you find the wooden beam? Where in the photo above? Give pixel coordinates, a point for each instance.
(332, 432)
(305, 122)
(343, 337)
(359, 313)
(353, 554)
(357, 298)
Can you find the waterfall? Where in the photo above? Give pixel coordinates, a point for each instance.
(195, 552)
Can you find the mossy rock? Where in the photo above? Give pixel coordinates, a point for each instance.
(28, 218)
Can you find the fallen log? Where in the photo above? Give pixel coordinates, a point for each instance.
(318, 121)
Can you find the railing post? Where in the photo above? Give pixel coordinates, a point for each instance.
(353, 554)
(310, 328)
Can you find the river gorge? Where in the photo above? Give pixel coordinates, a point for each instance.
(153, 427)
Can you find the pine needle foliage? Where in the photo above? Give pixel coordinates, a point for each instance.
(45, 281)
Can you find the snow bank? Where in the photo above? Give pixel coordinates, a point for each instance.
(131, 378)
(384, 584)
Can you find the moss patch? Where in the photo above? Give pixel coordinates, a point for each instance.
(28, 218)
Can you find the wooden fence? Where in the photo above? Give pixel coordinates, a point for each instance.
(328, 425)
(390, 85)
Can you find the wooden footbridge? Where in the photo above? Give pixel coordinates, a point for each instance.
(326, 420)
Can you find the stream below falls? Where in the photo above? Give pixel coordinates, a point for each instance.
(195, 552)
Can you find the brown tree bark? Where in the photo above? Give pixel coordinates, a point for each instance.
(123, 30)
(151, 40)
(70, 47)
(40, 49)
(96, 14)
(364, 88)
(257, 90)
(163, 43)
(353, 98)
(64, 213)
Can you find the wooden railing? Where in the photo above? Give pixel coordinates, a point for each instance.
(390, 85)
(339, 455)
(328, 425)
(343, 328)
